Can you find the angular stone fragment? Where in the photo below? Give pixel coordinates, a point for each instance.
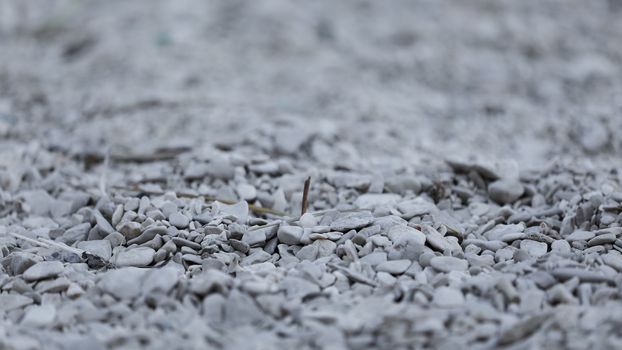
(505, 191)
(138, 257)
(448, 263)
(43, 270)
(352, 221)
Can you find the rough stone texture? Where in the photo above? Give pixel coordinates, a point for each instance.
(464, 159)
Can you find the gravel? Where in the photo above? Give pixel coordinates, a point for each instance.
(465, 184)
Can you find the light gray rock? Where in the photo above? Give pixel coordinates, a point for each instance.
(613, 259)
(403, 235)
(352, 221)
(239, 210)
(43, 270)
(580, 235)
(448, 297)
(20, 261)
(123, 283)
(505, 191)
(53, 285)
(39, 316)
(76, 233)
(602, 239)
(372, 200)
(308, 220)
(374, 258)
(296, 287)
(179, 220)
(103, 224)
(436, 240)
(324, 247)
(309, 252)
(394, 267)
(161, 280)
(39, 201)
(148, 235)
(254, 237)
(221, 169)
(130, 230)
(211, 281)
(246, 192)
(560, 246)
(10, 302)
(290, 234)
(448, 263)
(533, 248)
(138, 257)
(101, 248)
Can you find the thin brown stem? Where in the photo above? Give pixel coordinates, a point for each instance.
(305, 196)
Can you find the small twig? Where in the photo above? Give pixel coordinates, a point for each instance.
(29, 240)
(62, 246)
(305, 196)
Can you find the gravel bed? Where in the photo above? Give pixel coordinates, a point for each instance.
(464, 163)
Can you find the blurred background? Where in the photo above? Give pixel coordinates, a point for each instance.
(403, 81)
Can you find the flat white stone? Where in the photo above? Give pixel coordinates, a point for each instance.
(139, 257)
(448, 263)
(43, 270)
(448, 297)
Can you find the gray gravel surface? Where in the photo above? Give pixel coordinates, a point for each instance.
(464, 162)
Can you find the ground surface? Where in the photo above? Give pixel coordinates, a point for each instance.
(464, 159)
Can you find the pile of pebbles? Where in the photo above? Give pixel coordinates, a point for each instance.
(471, 254)
(466, 189)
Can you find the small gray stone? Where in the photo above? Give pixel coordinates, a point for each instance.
(394, 267)
(325, 247)
(211, 281)
(39, 201)
(102, 223)
(10, 302)
(21, 261)
(372, 200)
(374, 258)
(130, 230)
(533, 248)
(53, 286)
(76, 233)
(246, 192)
(613, 259)
(403, 235)
(296, 287)
(436, 240)
(580, 235)
(123, 283)
(116, 239)
(308, 252)
(602, 239)
(448, 297)
(101, 248)
(352, 221)
(179, 220)
(221, 168)
(308, 220)
(139, 257)
(43, 270)
(39, 316)
(148, 235)
(560, 246)
(161, 280)
(505, 191)
(254, 237)
(448, 263)
(290, 234)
